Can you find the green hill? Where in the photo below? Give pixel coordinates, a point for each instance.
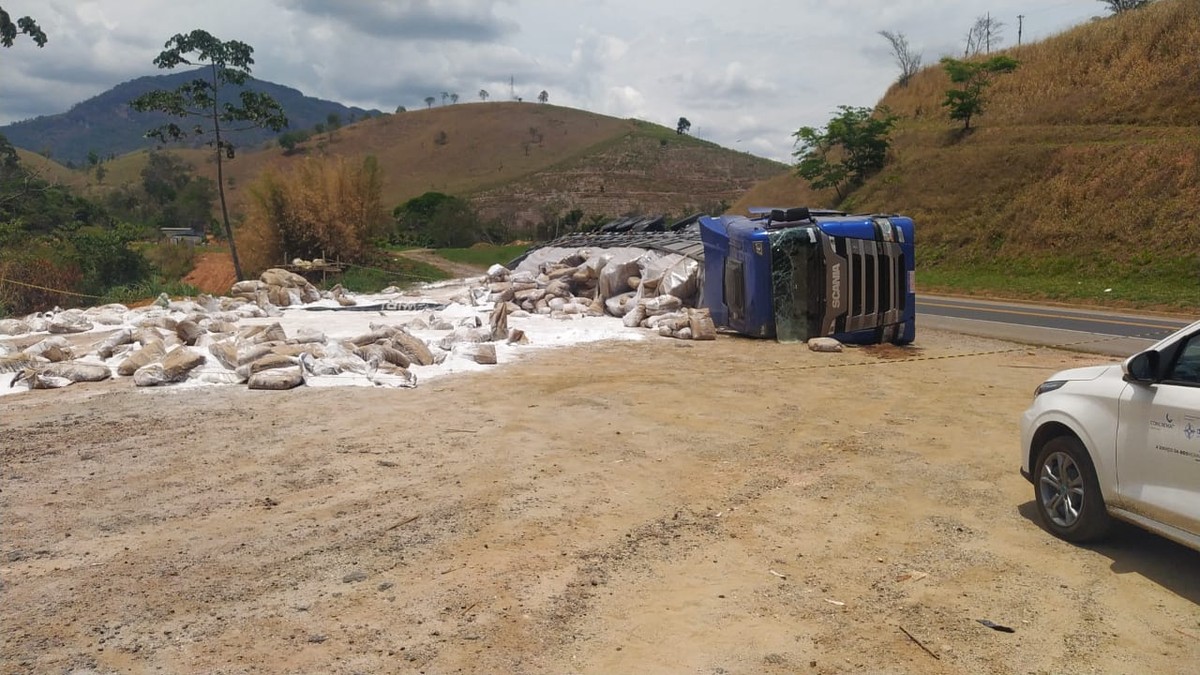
(1082, 181)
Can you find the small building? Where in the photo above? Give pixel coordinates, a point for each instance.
(182, 235)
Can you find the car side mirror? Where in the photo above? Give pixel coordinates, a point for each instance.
(1141, 367)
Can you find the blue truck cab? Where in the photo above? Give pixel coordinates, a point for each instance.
(794, 274)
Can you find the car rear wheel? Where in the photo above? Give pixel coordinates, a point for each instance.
(1068, 493)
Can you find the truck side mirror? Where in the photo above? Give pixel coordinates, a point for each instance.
(1141, 368)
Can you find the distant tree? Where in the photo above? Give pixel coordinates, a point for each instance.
(176, 196)
(483, 95)
(544, 96)
(228, 65)
(453, 98)
(852, 146)
(429, 101)
(333, 122)
(93, 158)
(288, 140)
(445, 95)
(439, 220)
(193, 205)
(26, 25)
(163, 176)
(319, 128)
(683, 126)
(975, 77)
(1122, 6)
(908, 60)
(400, 109)
(984, 34)
(101, 172)
(440, 138)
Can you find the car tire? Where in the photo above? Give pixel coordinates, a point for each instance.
(1067, 491)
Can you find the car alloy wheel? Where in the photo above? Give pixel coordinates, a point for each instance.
(1068, 494)
(1061, 489)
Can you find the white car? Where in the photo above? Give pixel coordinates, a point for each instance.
(1119, 441)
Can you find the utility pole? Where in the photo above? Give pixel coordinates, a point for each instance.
(512, 91)
(1020, 26)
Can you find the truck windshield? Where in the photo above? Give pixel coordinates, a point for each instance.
(796, 279)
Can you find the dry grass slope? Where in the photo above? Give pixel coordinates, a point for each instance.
(1086, 161)
(48, 169)
(516, 160)
(1138, 68)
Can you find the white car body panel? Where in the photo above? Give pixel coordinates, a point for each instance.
(1159, 469)
(1143, 439)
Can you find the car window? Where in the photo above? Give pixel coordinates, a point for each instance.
(1187, 366)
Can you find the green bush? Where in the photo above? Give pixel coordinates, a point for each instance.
(172, 261)
(148, 289)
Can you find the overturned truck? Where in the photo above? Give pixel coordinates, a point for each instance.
(788, 274)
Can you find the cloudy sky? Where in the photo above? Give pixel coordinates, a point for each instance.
(746, 73)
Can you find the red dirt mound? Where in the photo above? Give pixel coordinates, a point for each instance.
(213, 273)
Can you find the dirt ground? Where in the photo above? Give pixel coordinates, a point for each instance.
(212, 273)
(735, 506)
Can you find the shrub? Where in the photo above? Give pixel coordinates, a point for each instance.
(38, 282)
(173, 261)
(323, 207)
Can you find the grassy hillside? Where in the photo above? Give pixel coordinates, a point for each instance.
(513, 160)
(1082, 181)
(49, 170)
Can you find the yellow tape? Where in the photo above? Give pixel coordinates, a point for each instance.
(993, 352)
(52, 290)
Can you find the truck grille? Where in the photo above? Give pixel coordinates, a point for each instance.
(875, 275)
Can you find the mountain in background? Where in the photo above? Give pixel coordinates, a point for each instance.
(106, 125)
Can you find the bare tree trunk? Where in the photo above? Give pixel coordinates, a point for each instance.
(237, 265)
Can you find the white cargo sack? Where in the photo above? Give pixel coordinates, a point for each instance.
(824, 344)
(277, 379)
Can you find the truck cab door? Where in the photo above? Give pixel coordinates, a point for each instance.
(1158, 443)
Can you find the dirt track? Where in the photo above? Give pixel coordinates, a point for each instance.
(727, 507)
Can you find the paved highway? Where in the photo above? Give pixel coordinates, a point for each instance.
(1099, 331)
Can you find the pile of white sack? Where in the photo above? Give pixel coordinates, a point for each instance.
(644, 288)
(241, 339)
(282, 288)
(565, 296)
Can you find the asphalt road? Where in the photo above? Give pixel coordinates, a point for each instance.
(1098, 331)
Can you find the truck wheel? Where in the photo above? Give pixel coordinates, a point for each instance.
(1067, 491)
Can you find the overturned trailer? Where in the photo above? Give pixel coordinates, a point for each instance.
(788, 274)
